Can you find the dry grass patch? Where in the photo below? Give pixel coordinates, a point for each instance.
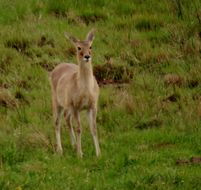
(36, 138)
(6, 99)
(173, 79)
(125, 101)
(110, 74)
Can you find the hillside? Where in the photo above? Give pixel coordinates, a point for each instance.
(147, 59)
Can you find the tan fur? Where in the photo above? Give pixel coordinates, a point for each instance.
(74, 88)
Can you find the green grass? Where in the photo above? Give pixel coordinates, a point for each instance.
(144, 127)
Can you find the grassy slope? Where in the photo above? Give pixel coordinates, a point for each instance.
(149, 37)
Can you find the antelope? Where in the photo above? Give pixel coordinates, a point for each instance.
(75, 88)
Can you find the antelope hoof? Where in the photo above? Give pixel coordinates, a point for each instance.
(98, 154)
(80, 154)
(59, 150)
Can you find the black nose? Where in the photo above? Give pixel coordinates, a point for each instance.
(87, 56)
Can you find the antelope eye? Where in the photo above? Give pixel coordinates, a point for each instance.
(79, 48)
(90, 47)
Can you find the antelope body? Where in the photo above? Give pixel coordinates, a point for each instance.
(74, 88)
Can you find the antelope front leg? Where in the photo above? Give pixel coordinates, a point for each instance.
(68, 118)
(79, 134)
(93, 129)
(58, 130)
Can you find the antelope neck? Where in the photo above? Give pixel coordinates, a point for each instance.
(86, 74)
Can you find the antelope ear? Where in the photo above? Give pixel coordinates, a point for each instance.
(72, 39)
(90, 36)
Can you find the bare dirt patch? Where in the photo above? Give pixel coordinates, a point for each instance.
(163, 145)
(172, 98)
(148, 124)
(193, 83)
(192, 160)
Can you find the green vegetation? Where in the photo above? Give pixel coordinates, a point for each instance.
(149, 128)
